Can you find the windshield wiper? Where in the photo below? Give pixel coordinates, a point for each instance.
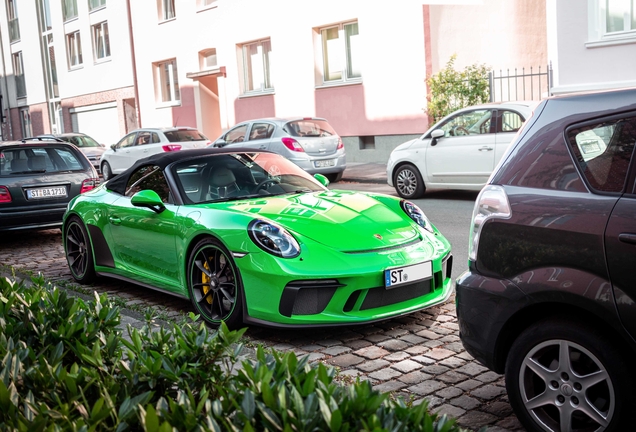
(236, 198)
(29, 172)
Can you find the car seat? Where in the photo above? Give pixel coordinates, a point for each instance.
(222, 184)
(37, 163)
(18, 165)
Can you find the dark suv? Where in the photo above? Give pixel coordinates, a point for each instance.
(549, 297)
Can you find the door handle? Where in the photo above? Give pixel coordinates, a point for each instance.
(627, 238)
(263, 147)
(485, 148)
(115, 220)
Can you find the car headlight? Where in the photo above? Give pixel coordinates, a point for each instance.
(417, 215)
(273, 238)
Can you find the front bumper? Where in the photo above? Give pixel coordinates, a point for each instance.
(350, 290)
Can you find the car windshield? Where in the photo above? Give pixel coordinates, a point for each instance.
(184, 135)
(25, 160)
(229, 177)
(309, 128)
(82, 141)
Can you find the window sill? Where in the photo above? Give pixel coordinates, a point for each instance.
(610, 40)
(71, 19)
(207, 8)
(167, 20)
(97, 9)
(339, 84)
(76, 67)
(256, 94)
(168, 104)
(102, 60)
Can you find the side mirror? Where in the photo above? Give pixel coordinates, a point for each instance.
(322, 179)
(114, 147)
(219, 143)
(435, 135)
(149, 199)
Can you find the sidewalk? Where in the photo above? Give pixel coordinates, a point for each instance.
(362, 172)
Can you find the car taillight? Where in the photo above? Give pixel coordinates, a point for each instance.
(5, 195)
(492, 203)
(171, 147)
(292, 144)
(340, 143)
(88, 184)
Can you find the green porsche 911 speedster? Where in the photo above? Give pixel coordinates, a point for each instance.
(249, 237)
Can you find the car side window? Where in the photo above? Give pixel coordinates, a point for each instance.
(236, 135)
(261, 131)
(603, 151)
(148, 178)
(155, 138)
(510, 121)
(143, 138)
(127, 141)
(475, 122)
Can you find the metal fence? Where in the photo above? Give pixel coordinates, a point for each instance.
(510, 85)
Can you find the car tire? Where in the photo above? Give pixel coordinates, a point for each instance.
(334, 177)
(214, 284)
(107, 172)
(408, 182)
(545, 391)
(79, 252)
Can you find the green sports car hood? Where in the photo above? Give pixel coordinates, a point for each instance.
(345, 221)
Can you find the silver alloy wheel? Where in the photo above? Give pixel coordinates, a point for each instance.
(406, 181)
(106, 171)
(565, 387)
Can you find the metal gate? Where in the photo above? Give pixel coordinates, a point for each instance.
(520, 85)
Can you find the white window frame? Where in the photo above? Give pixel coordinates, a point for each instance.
(598, 34)
(74, 50)
(257, 67)
(18, 72)
(167, 10)
(339, 53)
(167, 91)
(206, 4)
(100, 34)
(94, 5)
(204, 56)
(66, 10)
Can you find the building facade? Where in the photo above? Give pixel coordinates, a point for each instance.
(212, 63)
(592, 44)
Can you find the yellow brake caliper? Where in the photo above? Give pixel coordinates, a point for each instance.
(205, 280)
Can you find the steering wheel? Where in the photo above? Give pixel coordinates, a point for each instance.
(460, 130)
(262, 185)
(238, 139)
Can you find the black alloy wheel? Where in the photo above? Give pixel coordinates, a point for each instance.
(408, 182)
(214, 284)
(79, 253)
(566, 376)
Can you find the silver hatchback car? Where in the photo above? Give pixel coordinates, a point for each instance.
(310, 142)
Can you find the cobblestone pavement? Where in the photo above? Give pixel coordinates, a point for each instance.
(418, 356)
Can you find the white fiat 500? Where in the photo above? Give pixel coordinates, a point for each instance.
(458, 152)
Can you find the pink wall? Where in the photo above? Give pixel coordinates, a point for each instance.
(185, 114)
(254, 107)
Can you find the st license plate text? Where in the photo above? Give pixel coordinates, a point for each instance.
(49, 192)
(409, 274)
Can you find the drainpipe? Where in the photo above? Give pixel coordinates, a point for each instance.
(6, 87)
(134, 63)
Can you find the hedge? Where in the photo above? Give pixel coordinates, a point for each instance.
(66, 366)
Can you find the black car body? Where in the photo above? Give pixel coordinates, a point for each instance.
(549, 296)
(37, 180)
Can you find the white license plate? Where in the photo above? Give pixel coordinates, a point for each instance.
(325, 163)
(58, 191)
(409, 274)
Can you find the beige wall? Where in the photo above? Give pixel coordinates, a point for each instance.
(499, 33)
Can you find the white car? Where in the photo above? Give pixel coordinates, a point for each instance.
(458, 152)
(144, 142)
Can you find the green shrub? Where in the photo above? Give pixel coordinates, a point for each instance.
(67, 367)
(450, 90)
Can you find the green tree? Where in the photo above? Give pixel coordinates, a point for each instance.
(451, 90)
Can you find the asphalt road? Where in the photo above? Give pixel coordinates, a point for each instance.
(419, 356)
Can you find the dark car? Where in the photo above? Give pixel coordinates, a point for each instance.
(87, 145)
(549, 298)
(37, 180)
